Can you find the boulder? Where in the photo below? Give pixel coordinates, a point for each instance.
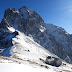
(53, 61)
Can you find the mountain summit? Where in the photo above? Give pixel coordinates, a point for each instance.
(51, 37)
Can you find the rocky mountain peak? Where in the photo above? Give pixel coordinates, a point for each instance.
(53, 38)
(25, 8)
(23, 17)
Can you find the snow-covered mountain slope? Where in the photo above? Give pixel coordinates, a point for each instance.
(51, 37)
(26, 55)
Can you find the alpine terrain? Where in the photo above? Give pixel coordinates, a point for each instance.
(27, 40)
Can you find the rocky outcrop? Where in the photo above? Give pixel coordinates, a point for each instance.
(53, 61)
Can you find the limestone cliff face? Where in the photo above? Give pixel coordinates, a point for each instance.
(51, 37)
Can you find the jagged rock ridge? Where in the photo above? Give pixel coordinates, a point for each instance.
(51, 37)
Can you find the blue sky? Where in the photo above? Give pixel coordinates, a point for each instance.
(57, 12)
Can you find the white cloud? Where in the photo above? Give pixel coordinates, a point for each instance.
(68, 10)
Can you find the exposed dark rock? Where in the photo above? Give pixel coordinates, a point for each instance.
(15, 33)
